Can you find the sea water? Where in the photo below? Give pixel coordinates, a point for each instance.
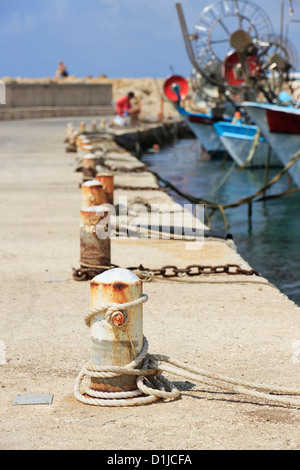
(269, 241)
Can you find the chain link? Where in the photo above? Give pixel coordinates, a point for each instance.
(169, 271)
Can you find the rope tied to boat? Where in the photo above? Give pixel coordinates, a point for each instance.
(252, 150)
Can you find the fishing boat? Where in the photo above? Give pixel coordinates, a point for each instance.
(201, 124)
(280, 126)
(236, 57)
(246, 145)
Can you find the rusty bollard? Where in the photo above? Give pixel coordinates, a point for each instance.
(94, 251)
(118, 341)
(79, 139)
(119, 372)
(94, 126)
(95, 248)
(118, 345)
(102, 124)
(107, 181)
(87, 147)
(84, 141)
(88, 166)
(92, 193)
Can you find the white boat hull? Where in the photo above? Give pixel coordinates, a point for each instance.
(240, 149)
(202, 126)
(284, 143)
(206, 135)
(238, 140)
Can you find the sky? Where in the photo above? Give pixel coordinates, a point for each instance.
(118, 38)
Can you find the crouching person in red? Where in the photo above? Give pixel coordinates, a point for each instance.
(124, 108)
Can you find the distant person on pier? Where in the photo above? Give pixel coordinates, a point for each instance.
(61, 70)
(124, 108)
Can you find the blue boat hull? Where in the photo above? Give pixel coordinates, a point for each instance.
(238, 140)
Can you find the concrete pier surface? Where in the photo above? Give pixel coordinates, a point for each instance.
(239, 326)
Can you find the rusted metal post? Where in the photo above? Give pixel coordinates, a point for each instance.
(94, 126)
(88, 165)
(107, 181)
(118, 341)
(87, 148)
(80, 137)
(94, 251)
(92, 193)
(84, 142)
(161, 111)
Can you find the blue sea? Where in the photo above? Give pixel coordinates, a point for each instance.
(269, 241)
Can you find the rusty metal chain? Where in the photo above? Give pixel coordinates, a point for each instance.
(122, 169)
(169, 271)
(84, 274)
(138, 188)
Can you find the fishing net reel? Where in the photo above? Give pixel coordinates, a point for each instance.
(236, 53)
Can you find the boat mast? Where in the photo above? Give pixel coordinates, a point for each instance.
(189, 49)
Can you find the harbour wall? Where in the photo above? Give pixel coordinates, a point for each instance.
(28, 100)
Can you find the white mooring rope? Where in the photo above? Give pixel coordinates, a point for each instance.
(152, 386)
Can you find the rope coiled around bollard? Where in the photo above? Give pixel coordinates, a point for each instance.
(152, 386)
(165, 389)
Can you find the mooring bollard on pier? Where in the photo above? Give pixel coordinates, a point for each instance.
(88, 165)
(79, 139)
(119, 360)
(117, 337)
(87, 148)
(92, 194)
(94, 126)
(95, 252)
(107, 181)
(116, 323)
(84, 142)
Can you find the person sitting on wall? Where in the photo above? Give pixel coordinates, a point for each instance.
(61, 70)
(124, 107)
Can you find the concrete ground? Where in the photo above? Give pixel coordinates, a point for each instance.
(240, 326)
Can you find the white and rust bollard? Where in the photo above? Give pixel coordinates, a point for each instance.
(102, 124)
(119, 359)
(118, 339)
(87, 148)
(92, 193)
(69, 131)
(117, 342)
(79, 139)
(95, 252)
(107, 181)
(94, 126)
(84, 142)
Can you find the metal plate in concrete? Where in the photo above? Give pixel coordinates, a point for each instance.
(35, 399)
